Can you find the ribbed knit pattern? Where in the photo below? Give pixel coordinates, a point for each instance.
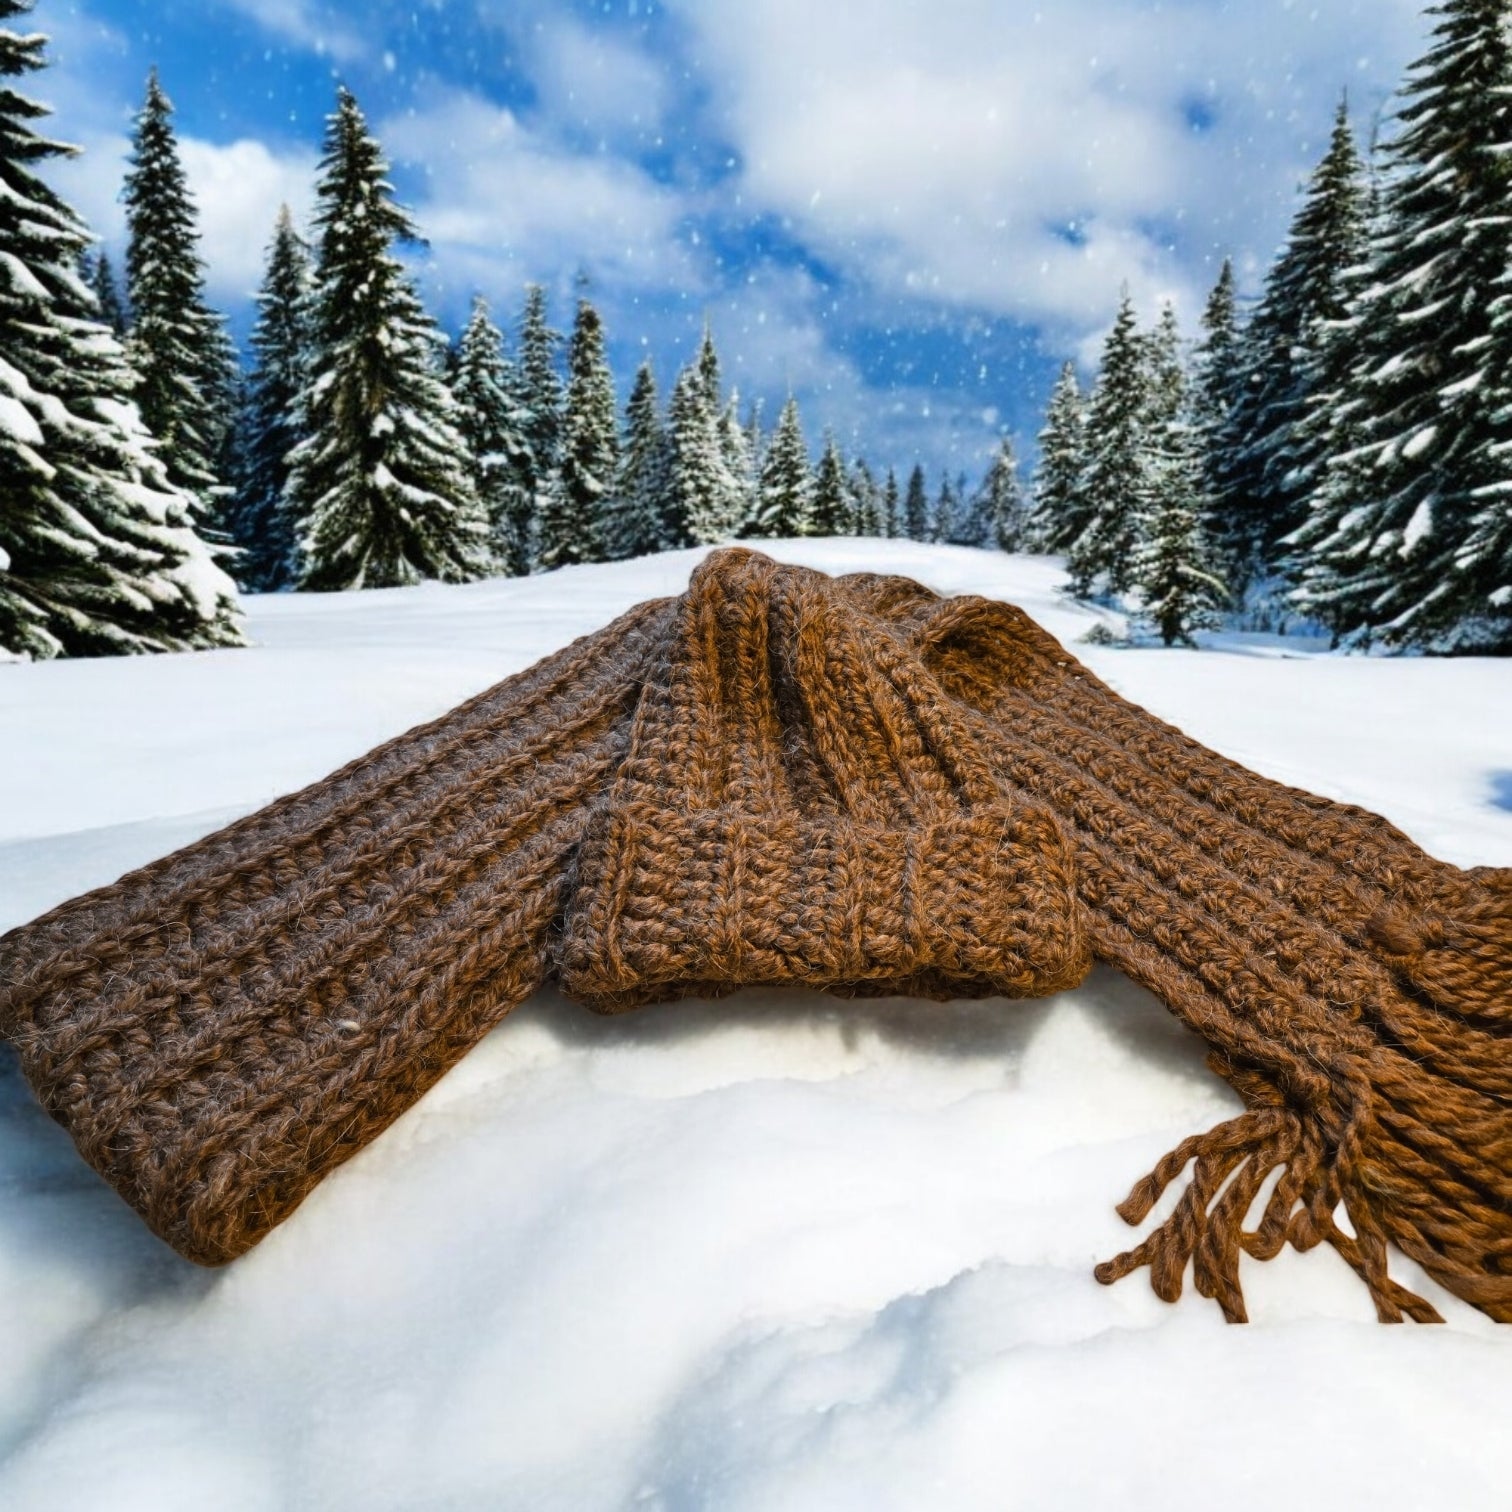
(223, 1027)
(851, 784)
(801, 805)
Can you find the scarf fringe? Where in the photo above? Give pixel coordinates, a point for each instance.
(1232, 1163)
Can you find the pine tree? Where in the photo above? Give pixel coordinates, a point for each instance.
(829, 505)
(1113, 480)
(268, 430)
(891, 506)
(970, 524)
(1217, 377)
(1261, 484)
(707, 363)
(381, 487)
(944, 517)
(1217, 366)
(540, 396)
(700, 490)
(1180, 586)
(1166, 389)
(998, 515)
(97, 552)
(485, 389)
(640, 524)
(184, 361)
(916, 506)
(1386, 537)
(575, 523)
(865, 501)
(784, 500)
(99, 274)
(1061, 511)
(755, 439)
(724, 491)
(1485, 565)
(739, 466)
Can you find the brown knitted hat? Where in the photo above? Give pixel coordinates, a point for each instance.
(799, 805)
(852, 784)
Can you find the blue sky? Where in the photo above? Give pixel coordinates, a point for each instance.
(908, 212)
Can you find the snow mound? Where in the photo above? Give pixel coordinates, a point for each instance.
(774, 1252)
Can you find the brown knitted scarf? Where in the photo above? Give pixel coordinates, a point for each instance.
(785, 778)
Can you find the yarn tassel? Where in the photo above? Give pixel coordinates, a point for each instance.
(1207, 1227)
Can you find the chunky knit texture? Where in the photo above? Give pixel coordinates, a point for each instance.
(850, 784)
(801, 805)
(220, 1029)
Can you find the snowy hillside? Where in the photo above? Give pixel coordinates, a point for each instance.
(779, 1252)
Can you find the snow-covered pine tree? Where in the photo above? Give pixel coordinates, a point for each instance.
(1172, 563)
(1216, 378)
(1181, 588)
(1061, 511)
(784, 500)
(944, 518)
(1216, 365)
(485, 388)
(892, 506)
(1166, 388)
(740, 468)
(268, 431)
(830, 503)
(1485, 564)
(1260, 496)
(99, 274)
(865, 500)
(699, 489)
(381, 486)
(724, 495)
(640, 520)
(1386, 536)
(540, 395)
(755, 438)
(916, 506)
(575, 520)
(1113, 480)
(998, 514)
(707, 363)
(97, 552)
(185, 364)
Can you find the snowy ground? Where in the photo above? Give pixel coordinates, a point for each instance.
(774, 1253)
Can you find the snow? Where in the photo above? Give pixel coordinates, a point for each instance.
(1419, 442)
(1419, 527)
(23, 280)
(774, 1252)
(16, 421)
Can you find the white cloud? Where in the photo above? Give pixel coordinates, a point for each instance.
(501, 197)
(1028, 164)
(307, 24)
(596, 81)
